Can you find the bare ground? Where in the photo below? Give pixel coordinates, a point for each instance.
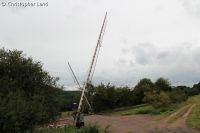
(144, 123)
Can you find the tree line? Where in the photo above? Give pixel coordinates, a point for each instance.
(158, 94)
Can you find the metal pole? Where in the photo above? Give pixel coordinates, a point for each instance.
(79, 85)
(91, 66)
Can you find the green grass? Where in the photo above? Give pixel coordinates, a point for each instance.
(129, 107)
(148, 109)
(121, 109)
(191, 100)
(194, 118)
(71, 129)
(144, 109)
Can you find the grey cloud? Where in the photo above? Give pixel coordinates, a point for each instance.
(166, 57)
(180, 63)
(182, 74)
(78, 9)
(121, 62)
(192, 7)
(143, 53)
(124, 51)
(196, 55)
(94, 1)
(163, 55)
(147, 53)
(131, 63)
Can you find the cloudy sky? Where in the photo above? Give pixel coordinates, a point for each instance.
(144, 38)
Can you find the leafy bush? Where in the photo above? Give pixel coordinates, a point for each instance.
(178, 95)
(157, 99)
(28, 94)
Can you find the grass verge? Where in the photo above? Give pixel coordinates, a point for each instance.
(145, 109)
(71, 129)
(194, 118)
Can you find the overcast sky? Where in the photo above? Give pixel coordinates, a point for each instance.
(144, 38)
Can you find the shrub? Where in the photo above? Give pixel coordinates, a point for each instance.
(178, 95)
(28, 94)
(157, 99)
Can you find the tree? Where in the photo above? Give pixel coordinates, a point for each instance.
(104, 97)
(124, 97)
(144, 85)
(28, 94)
(162, 84)
(195, 89)
(163, 95)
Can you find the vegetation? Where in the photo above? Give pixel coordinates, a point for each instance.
(29, 95)
(67, 98)
(71, 129)
(109, 97)
(144, 109)
(194, 118)
(159, 94)
(179, 113)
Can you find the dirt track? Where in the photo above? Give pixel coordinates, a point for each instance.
(143, 123)
(123, 124)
